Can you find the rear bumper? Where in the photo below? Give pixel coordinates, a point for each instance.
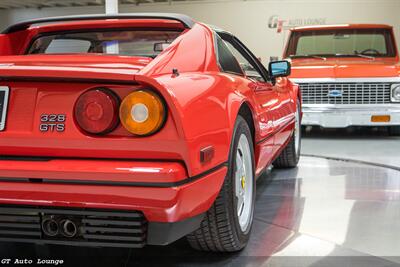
(94, 228)
(341, 116)
(171, 202)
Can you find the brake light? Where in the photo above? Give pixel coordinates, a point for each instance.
(96, 111)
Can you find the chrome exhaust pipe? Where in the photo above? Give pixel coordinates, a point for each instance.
(68, 228)
(50, 227)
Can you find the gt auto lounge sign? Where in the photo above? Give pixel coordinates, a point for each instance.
(279, 24)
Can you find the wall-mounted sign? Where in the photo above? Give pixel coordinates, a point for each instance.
(277, 23)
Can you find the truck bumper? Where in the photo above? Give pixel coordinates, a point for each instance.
(341, 116)
(167, 203)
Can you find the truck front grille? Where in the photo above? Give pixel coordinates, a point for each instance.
(345, 93)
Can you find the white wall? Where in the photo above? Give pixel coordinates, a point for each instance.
(249, 19)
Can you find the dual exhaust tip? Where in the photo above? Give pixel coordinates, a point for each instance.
(53, 227)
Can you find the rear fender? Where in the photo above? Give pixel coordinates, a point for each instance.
(205, 107)
(168, 97)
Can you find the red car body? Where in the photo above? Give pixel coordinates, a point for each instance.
(160, 176)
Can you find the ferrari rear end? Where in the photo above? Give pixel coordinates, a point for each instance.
(92, 150)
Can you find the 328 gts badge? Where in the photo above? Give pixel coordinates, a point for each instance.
(52, 123)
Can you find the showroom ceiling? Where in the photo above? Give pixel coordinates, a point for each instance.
(8, 4)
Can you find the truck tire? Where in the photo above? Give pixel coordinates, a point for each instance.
(290, 155)
(227, 224)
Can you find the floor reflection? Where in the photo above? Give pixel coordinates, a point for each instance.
(370, 144)
(324, 213)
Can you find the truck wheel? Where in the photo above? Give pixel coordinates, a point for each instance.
(394, 130)
(227, 225)
(290, 155)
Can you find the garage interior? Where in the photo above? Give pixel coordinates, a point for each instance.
(341, 204)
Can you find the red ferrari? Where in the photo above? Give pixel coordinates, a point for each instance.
(137, 129)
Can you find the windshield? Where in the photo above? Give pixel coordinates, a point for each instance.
(148, 43)
(342, 43)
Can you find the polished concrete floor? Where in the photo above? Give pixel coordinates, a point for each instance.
(365, 144)
(323, 213)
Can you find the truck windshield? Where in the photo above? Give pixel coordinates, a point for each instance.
(341, 43)
(147, 43)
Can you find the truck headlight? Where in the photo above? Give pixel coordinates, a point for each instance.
(395, 95)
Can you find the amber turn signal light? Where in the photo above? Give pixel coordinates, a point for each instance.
(142, 112)
(380, 118)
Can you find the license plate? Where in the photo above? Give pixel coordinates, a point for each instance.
(4, 91)
(380, 118)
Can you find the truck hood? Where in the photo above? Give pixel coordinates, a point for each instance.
(344, 68)
(106, 67)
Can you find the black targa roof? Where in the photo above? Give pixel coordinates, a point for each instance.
(187, 21)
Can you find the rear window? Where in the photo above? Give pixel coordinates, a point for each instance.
(148, 43)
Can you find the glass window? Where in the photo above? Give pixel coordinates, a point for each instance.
(74, 46)
(342, 42)
(146, 43)
(226, 59)
(246, 66)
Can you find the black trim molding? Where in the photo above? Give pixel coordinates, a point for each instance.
(113, 183)
(161, 233)
(65, 79)
(20, 26)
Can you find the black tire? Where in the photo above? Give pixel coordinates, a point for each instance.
(289, 157)
(220, 230)
(394, 130)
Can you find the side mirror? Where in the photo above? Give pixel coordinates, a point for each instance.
(279, 69)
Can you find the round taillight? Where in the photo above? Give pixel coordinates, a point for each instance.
(96, 111)
(142, 112)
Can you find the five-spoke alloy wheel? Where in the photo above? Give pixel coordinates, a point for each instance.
(227, 224)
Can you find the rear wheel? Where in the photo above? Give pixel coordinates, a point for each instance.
(290, 155)
(394, 130)
(227, 225)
